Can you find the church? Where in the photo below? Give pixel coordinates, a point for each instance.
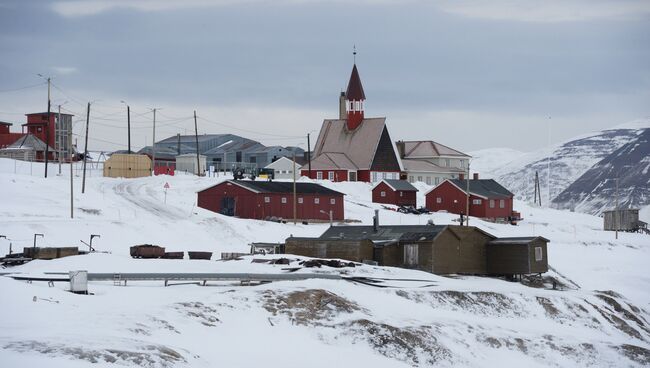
(353, 147)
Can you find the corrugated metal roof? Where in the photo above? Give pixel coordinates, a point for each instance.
(413, 149)
(402, 185)
(389, 232)
(487, 188)
(524, 240)
(352, 150)
(282, 187)
(29, 141)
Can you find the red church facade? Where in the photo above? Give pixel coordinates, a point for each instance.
(262, 200)
(488, 199)
(353, 147)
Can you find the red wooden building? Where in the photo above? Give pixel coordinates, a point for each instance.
(264, 199)
(397, 192)
(353, 147)
(488, 199)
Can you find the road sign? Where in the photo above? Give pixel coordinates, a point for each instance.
(166, 186)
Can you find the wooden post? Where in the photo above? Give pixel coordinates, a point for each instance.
(467, 197)
(309, 154)
(153, 144)
(128, 125)
(47, 127)
(295, 213)
(83, 181)
(60, 136)
(196, 137)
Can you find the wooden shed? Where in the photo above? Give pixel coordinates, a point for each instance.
(264, 199)
(357, 250)
(440, 249)
(122, 165)
(517, 256)
(622, 220)
(397, 192)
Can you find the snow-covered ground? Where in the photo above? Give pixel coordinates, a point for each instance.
(599, 319)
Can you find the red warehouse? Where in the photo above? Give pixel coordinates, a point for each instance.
(264, 199)
(397, 192)
(488, 199)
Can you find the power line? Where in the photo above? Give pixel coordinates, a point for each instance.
(22, 88)
(249, 131)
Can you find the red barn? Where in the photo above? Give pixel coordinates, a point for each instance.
(397, 192)
(353, 147)
(264, 199)
(488, 199)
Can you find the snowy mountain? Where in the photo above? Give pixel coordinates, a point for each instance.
(597, 317)
(595, 191)
(569, 161)
(487, 161)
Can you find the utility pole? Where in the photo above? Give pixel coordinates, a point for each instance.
(196, 137)
(71, 169)
(60, 137)
(548, 163)
(153, 143)
(178, 143)
(616, 213)
(128, 124)
(47, 127)
(295, 212)
(309, 154)
(83, 181)
(467, 197)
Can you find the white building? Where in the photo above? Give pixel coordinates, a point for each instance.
(431, 162)
(283, 168)
(187, 163)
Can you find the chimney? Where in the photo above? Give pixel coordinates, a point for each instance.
(375, 221)
(400, 148)
(475, 176)
(343, 113)
(461, 176)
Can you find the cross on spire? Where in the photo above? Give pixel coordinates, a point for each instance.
(354, 53)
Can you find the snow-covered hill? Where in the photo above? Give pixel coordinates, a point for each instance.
(569, 161)
(599, 317)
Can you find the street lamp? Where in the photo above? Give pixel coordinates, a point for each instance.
(330, 214)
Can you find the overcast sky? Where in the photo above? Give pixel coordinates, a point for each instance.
(469, 74)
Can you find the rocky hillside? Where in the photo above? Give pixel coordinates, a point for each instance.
(595, 190)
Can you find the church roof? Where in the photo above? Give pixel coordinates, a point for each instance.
(355, 89)
(353, 150)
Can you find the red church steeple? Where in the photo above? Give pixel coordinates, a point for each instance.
(354, 99)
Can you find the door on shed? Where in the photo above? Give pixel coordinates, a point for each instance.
(228, 206)
(352, 176)
(411, 255)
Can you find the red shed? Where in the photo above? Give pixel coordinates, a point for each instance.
(264, 199)
(397, 192)
(488, 199)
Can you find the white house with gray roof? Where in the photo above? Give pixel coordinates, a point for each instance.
(431, 162)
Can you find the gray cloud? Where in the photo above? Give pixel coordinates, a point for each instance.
(453, 66)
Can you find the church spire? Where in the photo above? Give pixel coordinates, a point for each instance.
(354, 97)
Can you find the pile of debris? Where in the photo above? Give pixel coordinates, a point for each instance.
(335, 263)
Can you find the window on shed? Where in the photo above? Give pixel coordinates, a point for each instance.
(438, 200)
(382, 193)
(299, 200)
(319, 175)
(411, 254)
(539, 254)
(332, 200)
(284, 199)
(330, 175)
(502, 203)
(316, 200)
(476, 201)
(491, 203)
(401, 194)
(267, 199)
